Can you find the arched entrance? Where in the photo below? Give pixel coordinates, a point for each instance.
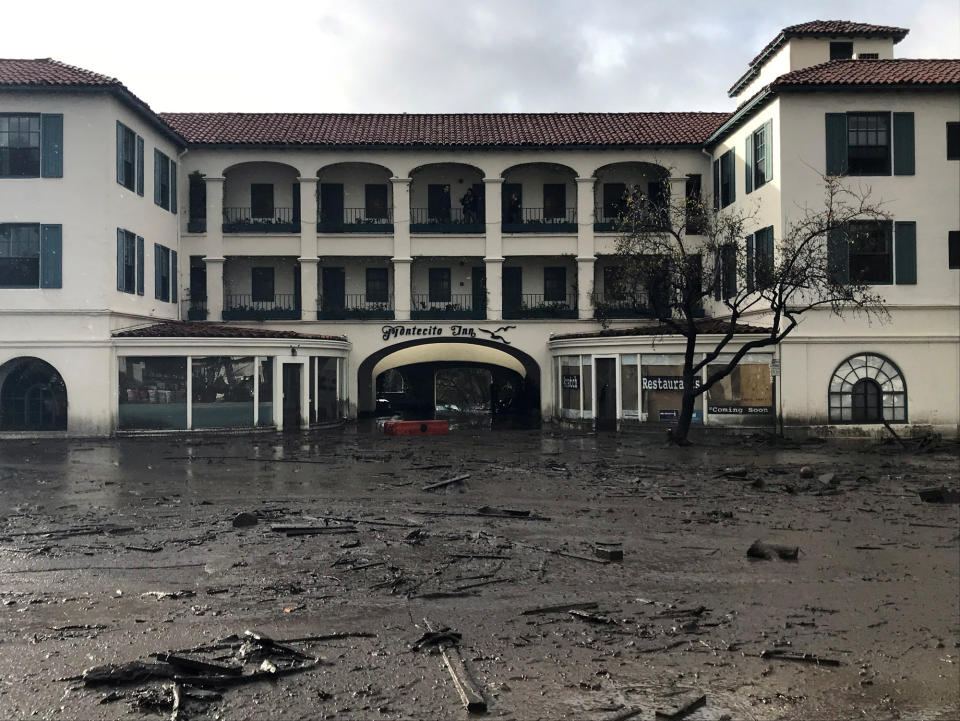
(33, 396)
(411, 369)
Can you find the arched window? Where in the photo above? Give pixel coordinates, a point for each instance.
(33, 396)
(868, 388)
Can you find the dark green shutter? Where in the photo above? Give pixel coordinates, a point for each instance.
(139, 166)
(838, 256)
(156, 176)
(905, 252)
(140, 284)
(119, 259)
(750, 261)
(716, 185)
(157, 282)
(51, 260)
(119, 154)
(174, 281)
(904, 162)
(51, 134)
(748, 164)
(768, 159)
(836, 127)
(173, 187)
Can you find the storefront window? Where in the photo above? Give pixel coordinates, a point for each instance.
(326, 389)
(747, 393)
(629, 378)
(661, 383)
(265, 393)
(587, 379)
(570, 386)
(222, 392)
(153, 393)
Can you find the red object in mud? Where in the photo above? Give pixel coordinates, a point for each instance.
(416, 428)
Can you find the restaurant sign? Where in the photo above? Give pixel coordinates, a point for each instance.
(665, 383)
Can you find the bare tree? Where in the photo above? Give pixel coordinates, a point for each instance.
(676, 257)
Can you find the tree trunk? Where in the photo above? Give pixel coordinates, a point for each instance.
(682, 430)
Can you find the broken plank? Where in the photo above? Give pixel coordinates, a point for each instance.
(197, 665)
(447, 482)
(221, 681)
(683, 711)
(560, 608)
(469, 693)
(801, 657)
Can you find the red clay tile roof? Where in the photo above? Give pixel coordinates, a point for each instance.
(707, 326)
(186, 329)
(901, 71)
(454, 130)
(814, 28)
(46, 71)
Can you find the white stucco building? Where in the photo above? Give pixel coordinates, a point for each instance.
(205, 270)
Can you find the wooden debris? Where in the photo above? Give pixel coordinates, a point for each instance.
(683, 711)
(609, 550)
(592, 617)
(767, 551)
(132, 672)
(197, 665)
(801, 657)
(295, 530)
(444, 484)
(560, 608)
(469, 693)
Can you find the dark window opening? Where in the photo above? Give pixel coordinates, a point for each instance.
(613, 199)
(261, 286)
(162, 179)
(866, 399)
(868, 143)
(162, 259)
(19, 146)
(376, 201)
(439, 285)
(261, 200)
(953, 141)
(695, 219)
(378, 289)
(554, 201)
(871, 252)
(129, 262)
(438, 203)
(841, 51)
(126, 156)
(555, 284)
(19, 255)
(198, 203)
(953, 243)
(868, 56)
(727, 188)
(613, 281)
(728, 270)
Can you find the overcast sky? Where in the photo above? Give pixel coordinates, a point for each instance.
(439, 55)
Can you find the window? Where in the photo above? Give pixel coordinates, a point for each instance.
(953, 244)
(868, 143)
(129, 262)
(554, 201)
(439, 285)
(726, 286)
(868, 56)
(841, 51)
(953, 141)
(759, 157)
(759, 259)
(555, 285)
(20, 146)
(378, 289)
(261, 285)
(129, 159)
(438, 203)
(165, 273)
(871, 252)
(613, 289)
(164, 181)
(376, 201)
(613, 194)
(724, 190)
(20, 255)
(261, 200)
(867, 388)
(197, 219)
(694, 207)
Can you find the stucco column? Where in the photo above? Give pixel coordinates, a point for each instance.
(401, 288)
(585, 200)
(214, 287)
(309, 288)
(308, 217)
(585, 288)
(401, 248)
(493, 255)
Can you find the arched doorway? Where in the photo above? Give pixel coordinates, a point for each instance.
(33, 396)
(867, 388)
(408, 372)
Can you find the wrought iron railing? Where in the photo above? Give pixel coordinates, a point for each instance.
(656, 218)
(455, 306)
(359, 306)
(242, 220)
(610, 307)
(197, 309)
(448, 220)
(537, 220)
(284, 306)
(356, 220)
(534, 305)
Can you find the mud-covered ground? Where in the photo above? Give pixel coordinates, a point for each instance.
(90, 530)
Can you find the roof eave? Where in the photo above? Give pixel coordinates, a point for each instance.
(453, 148)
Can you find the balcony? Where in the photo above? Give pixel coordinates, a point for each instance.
(656, 218)
(536, 220)
(446, 220)
(461, 306)
(197, 309)
(356, 220)
(605, 221)
(242, 220)
(530, 305)
(355, 306)
(284, 306)
(604, 307)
